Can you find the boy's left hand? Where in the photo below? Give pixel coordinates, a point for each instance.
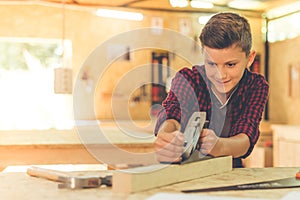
(208, 142)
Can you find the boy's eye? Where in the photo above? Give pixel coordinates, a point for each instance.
(231, 64)
(212, 64)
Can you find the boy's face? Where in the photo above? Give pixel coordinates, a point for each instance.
(225, 67)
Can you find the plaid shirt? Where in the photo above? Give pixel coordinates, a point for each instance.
(190, 92)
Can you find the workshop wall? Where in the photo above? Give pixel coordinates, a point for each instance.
(87, 32)
(284, 104)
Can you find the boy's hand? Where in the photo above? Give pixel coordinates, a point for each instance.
(169, 146)
(208, 142)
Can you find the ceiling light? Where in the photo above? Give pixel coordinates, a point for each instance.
(179, 3)
(120, 14)
(201, 4)
(283, 10)
(193, 3)
(204, 19)
(242, 4)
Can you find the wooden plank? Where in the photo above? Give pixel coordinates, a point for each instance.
(144, 178)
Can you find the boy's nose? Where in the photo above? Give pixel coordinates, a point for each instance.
(222, 73)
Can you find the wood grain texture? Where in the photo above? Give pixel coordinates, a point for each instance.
(144, 178)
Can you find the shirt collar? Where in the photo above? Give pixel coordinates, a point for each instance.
(225, 104)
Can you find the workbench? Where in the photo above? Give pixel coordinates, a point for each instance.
(42, 147)
(15, 186)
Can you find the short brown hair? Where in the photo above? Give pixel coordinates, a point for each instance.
(226, 29)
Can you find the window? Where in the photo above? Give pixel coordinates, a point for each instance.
(27, 98)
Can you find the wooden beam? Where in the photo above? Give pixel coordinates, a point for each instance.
(148, 177)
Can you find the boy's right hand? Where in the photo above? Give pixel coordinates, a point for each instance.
(169, 146)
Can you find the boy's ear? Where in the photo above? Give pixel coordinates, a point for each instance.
(251, 58)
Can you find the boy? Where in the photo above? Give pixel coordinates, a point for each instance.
(232, 97)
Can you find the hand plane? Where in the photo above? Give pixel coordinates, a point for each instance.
(192, 133)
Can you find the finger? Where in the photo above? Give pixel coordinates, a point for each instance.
(206, 146)
(204, 133)
(210, 140)
(203, 137)
(175, 138)
(160, 145)
(178, 138)
(204, 151)
(169, 150)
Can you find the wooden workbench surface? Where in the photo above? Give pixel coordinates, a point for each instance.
(15, 186)
(122, 133)
(70, 146)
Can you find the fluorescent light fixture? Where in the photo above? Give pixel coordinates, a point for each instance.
(242, 4)
(179, 3)
(204, 19)
(193, 3)
(283, 10)
(201, 4)
(120, 14)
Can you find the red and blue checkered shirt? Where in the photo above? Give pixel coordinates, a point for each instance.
(190, 92)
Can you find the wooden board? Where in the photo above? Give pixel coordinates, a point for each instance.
(144, 178)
